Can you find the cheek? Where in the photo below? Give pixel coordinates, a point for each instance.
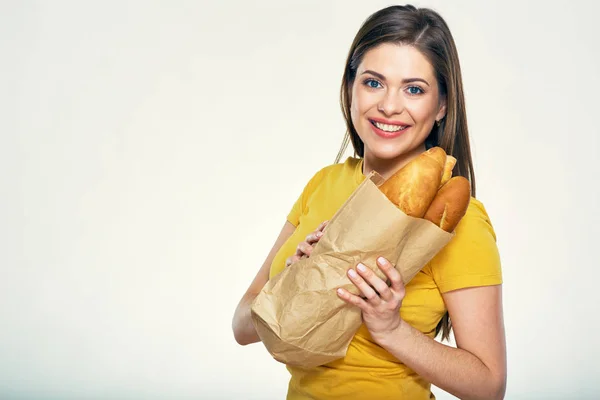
(355, 117)
(355, 108)
(361, 103)
(423, 111)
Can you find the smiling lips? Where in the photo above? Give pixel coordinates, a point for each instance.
(388, 130)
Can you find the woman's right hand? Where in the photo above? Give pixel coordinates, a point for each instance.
(305, 248)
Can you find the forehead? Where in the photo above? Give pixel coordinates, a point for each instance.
(396, 61)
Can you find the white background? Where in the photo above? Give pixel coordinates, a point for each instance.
(150, 152)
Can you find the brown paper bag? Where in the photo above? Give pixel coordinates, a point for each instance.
(298, 315)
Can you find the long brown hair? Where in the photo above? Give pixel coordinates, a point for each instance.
(427, 31)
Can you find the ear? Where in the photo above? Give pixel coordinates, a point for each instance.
(442, 109)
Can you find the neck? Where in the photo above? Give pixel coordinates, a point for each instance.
(387, 167)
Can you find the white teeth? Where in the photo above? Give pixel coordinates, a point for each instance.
(389, 128)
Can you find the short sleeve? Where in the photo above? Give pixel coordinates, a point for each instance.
(471, 258)
(300, 205)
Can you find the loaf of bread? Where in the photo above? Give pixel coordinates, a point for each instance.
(448, 167)
(450, 203)
(413, 187)
(425, 188)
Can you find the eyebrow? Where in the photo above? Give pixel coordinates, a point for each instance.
(408, 80)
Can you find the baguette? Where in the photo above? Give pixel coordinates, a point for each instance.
(413, 187)
(450, 203)
(424, 188)
(448, 167)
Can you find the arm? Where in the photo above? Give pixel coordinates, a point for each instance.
(476, 369)
(243, 329)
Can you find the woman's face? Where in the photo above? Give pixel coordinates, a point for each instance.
(395, 101)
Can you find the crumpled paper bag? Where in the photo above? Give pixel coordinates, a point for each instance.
(298, 315)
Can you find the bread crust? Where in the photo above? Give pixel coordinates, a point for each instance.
(425, 188)
(450, 203)
(448, 167)
(413, 187)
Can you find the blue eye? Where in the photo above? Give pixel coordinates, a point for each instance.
(415, 90)
(372, 83)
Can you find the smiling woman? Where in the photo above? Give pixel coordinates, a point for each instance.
(401, 93)
(395, 101)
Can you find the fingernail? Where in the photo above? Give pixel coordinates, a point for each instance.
(319, 234)
(352, 273)
(340, 291)
(381, 260)
(361, 267)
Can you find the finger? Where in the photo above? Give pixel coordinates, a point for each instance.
(397, 285)
(374, 281)
(364, 287)
(291, 260)
(314, 237)
(323, 225)
(352, 299)
(299, 251)
(304, 248)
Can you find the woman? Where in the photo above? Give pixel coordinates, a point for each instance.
(401, 94)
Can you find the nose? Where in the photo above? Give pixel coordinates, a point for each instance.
(391, 103)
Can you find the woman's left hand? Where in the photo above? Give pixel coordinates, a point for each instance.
(381, 303)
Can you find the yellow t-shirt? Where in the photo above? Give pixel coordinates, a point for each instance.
(368, 371)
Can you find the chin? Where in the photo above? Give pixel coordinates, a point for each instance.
(388, 151)
(384, 153)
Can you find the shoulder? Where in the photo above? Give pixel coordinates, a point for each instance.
(347, 166)
(471, 258)
(476, 221)
(331, 173)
